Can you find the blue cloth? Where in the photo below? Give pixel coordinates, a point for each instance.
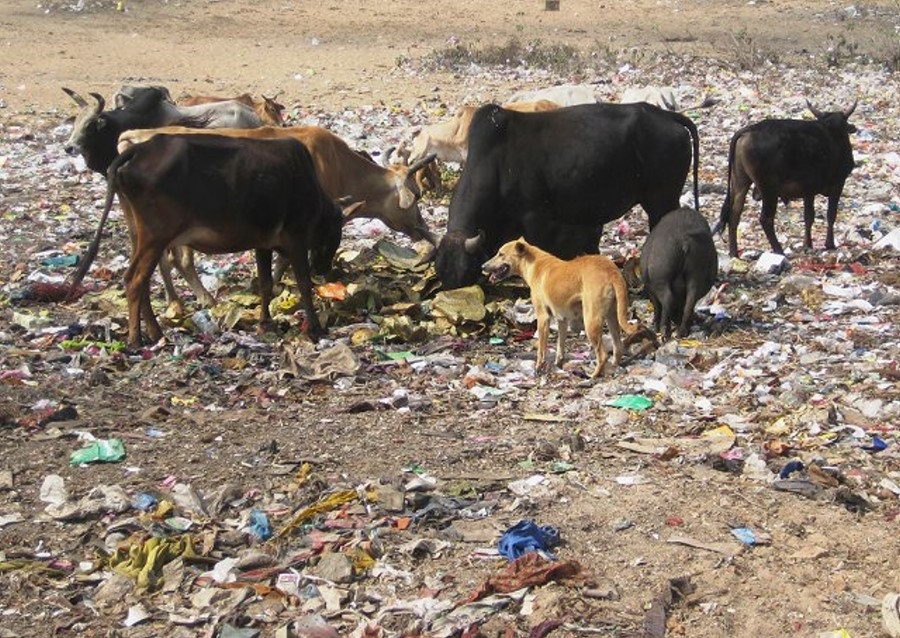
(526, 536)
(259, 525)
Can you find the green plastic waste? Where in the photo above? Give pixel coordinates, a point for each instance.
(100, 451)
(631, 402)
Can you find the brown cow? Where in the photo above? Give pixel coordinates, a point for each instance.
(268, 110)
(219, 194)
(389, 194)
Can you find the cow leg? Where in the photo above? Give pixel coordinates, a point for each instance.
(184, 262)
(767, 219)
(738, 189)
(175, 307)
(281, 264)
(809, 216)
(562, 331)
(264, 276)
(300, 264)
(145, 258)
(831, 217)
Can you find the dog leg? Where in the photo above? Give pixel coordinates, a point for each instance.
(615, 331)
(543, 329)
(593, 326)
(562, 327)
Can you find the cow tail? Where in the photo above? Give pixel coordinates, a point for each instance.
(726, 205)
(688, 123)
(111, 186)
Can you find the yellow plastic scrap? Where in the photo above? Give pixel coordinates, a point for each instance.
(361, 560)
(330, 502)
(303, 473)
(144, 561)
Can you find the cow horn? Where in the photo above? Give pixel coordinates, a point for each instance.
(428, 159)
(473, 244)
(386, 156)
(80, 101)
(848, 112)
(100, 102)
(813, 109)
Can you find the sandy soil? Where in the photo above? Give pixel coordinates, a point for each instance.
(343, 53)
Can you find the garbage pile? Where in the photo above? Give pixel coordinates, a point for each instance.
(410, 475)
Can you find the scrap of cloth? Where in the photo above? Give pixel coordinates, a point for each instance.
(526, 536)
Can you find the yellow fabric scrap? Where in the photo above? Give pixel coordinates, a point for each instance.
(144, 561)
(333, 501)
(27, 565)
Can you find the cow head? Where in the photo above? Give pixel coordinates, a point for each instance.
(835, 121)
(273, 110)
(399, 207)
(325, 235)
(92, 135)
(129, 93)
(459, 257)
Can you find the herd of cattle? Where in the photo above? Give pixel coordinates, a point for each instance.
(222, 176)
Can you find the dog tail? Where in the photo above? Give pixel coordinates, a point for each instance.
(621, 290)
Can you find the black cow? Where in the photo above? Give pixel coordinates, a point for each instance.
(96, 132)
(220, 194)
(788, 159)
(556, 177)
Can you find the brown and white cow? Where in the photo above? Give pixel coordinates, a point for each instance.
(449, 140)
(269, 111)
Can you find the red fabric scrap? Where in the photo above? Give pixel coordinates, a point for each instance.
(527, 571)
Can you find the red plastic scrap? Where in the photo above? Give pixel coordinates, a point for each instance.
(527, 571)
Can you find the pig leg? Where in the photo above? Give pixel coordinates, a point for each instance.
(667, 303)
(687, 315)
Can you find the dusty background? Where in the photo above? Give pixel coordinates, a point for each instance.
(223, 416)
(344, 54)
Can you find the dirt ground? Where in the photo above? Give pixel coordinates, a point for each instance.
(231, 423)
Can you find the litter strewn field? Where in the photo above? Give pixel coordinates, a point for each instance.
(743, 481)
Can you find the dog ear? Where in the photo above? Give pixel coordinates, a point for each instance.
(520, 246)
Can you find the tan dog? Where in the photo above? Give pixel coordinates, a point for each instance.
(588, 288)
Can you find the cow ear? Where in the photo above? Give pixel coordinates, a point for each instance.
(406, 196)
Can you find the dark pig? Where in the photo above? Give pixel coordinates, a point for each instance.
(678, 266)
